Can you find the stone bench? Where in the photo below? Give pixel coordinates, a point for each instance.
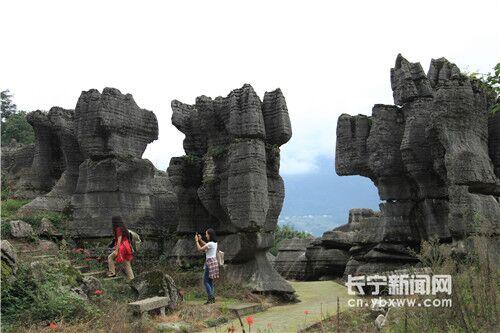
(145, 305)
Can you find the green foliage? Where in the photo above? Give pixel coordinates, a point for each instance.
(216, 151)
(32, 298)
(8, 108)
(212, 322)
(286, 232)
(492, 80)
(17, 127)
(191, 159)
(14, 123)
(11, 206)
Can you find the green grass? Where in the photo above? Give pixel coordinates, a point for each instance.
(11, 206)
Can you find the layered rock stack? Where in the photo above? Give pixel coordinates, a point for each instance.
(56, 160)
(17, 159)
(89, 161)
(229, 179)
(291, 261)
(432, 157)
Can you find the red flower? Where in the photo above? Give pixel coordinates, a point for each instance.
(88, 259)
(78, 250)
(306, 312)
(98, 292)
(249, 320)
(53, 326)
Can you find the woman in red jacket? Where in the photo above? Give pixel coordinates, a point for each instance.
(123, 250)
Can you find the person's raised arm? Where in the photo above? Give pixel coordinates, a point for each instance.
(200, 244)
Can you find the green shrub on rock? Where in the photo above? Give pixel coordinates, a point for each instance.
(42, 292)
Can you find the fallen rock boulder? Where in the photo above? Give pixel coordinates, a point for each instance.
(21, 229)
(156, 283)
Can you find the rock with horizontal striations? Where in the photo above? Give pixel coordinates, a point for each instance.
(229, 179)
(291, 260)
(111, 124)
(432, 158)
(56, 145)
(111, 187)
(17, 159)
(89, 161)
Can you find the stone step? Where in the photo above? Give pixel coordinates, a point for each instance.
(43, 257)
(148, 304)
(244, 309)
(114, 278)
(95, 273)
(83, 269)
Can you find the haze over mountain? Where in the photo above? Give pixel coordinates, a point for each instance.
(320, 200)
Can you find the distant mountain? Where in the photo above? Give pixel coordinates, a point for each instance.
(320, 200)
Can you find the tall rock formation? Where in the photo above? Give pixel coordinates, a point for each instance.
(229, 179)
(89, 161)
(432, 157)
(113, 133)
(56, 161)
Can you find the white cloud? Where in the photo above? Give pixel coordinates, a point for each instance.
(328, 57)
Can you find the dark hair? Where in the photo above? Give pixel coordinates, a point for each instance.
(211, 234)
(117, 222)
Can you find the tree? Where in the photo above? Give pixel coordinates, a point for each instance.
(286, 232)
(8, 108)
(492, 80)
(14, 123)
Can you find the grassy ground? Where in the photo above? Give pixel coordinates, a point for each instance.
(475, 294)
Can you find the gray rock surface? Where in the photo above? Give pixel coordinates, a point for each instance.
(291, 260)
(9, 259)
(88, 162)
(433, 159)
(229, 179)
(21, 229)
(46, 228)
(156, 283)
(17, 159)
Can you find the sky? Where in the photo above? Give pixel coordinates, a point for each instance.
(328, 57)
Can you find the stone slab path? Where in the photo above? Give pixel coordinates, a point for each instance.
(316, 297)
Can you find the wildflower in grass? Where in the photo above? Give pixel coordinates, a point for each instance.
(88, 259)
(98, 292)
(249, 320)
(53, 326)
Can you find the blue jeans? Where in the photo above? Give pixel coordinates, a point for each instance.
(209, 283)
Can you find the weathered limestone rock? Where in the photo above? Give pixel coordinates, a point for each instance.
(8, 259)
(17, 159)
(54, 129)
(21, 229)
(89, 161)
(229, 180)
(291, 260)
(328, 256)
(156, 283)
(111, 124)
(46, 228)
(433, 159)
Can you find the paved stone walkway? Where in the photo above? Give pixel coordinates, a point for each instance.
(316, 297)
